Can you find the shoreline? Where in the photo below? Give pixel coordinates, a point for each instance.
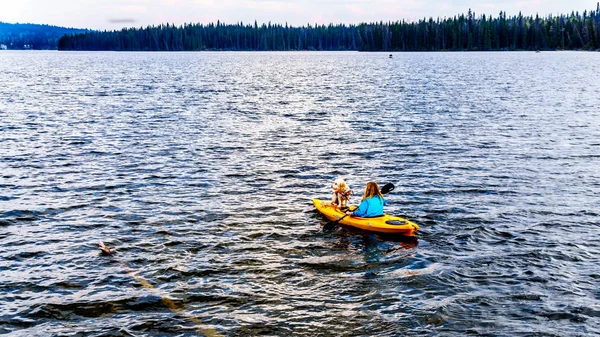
(318, 51)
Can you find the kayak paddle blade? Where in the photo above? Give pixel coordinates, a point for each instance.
(331, 224)
(387, 188)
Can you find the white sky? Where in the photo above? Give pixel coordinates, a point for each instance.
(115, 14)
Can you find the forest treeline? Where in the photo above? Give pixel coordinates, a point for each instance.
(461, 32)
(32, 36)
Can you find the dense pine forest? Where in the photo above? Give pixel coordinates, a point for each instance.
(32, 36)
(463, 32)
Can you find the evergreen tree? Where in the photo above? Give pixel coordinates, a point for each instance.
(462, 32)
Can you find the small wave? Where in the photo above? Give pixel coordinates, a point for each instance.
(21, 215)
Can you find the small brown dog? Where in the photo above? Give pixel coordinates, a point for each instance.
(341, 193)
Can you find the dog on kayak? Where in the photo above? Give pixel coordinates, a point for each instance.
(341, 193)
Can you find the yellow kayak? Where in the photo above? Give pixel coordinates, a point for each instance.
(381, 224)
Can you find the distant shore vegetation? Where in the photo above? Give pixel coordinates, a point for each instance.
(464, 32)
(32, 36)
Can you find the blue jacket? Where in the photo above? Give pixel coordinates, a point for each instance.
(370, 207)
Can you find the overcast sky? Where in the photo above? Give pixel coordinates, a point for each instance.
(115, 14)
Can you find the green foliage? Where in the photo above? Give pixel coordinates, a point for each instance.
(31, 36)
(463, 32)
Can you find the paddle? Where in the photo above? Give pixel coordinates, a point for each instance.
(329, 226)
(387, 188)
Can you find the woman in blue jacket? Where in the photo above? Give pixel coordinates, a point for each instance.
(371, 204)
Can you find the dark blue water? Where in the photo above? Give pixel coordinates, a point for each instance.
(199, 168)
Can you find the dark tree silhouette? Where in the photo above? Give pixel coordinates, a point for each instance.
(463, 32)
(31, 36)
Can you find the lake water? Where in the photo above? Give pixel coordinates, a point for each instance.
(199, 168)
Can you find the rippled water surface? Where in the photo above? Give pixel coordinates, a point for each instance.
(199, 168)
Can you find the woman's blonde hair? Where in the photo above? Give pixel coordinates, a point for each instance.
(371, 190)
